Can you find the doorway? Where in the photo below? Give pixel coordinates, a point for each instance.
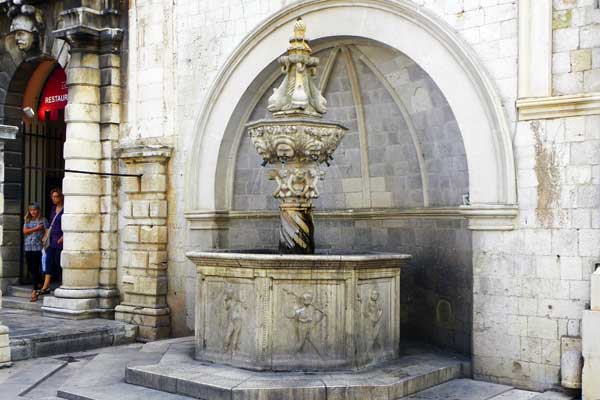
(43, 138)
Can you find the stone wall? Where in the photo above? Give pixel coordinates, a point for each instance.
(576, 47)
(532, 284)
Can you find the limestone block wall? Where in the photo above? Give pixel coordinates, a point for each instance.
(531, 285)
(576, 47)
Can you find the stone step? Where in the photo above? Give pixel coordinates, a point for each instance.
(119, 390)
(21, 303)
(102, 377)
(32, 335)
(19, 291)
(179, 373)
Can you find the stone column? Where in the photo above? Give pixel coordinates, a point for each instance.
(144, 242)
(4, 343)
(78, 297)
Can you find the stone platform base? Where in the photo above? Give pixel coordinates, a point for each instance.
(178, 373)
(33, 335)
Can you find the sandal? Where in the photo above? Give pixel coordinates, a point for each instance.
(33, 299)
(42, 292)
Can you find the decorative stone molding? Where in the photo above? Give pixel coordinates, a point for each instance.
(558, 106)
(481, 217)
(144, 242)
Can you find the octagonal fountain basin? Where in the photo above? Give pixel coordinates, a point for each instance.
(268, 311)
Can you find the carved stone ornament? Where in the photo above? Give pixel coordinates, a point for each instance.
(296, 139)
(27, 24)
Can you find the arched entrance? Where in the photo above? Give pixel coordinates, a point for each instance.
(24, 85)
(43, 136)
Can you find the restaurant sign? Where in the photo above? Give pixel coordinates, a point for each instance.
(54, 96)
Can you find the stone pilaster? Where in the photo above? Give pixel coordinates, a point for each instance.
(9, 243)
(110, 118)
(78, 297)
(144, 242)
(590, 336)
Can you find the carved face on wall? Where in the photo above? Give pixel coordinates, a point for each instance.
(307, 299)
(284, 150)
(24, 40)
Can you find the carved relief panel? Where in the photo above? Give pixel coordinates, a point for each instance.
(230, 311)
(375, 300)
(309, 318)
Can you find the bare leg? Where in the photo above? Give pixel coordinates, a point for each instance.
(47, 279)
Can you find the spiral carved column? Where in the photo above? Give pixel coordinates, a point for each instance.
(296, 232)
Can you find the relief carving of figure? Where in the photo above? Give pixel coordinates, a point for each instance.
(234, 308)
(373, 314)
(306, 317)
(27, 25)
(296, 182)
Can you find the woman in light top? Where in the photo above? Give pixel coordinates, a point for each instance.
(33, 229)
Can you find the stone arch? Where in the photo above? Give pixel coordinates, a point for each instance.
(426, 39)
(17, 72)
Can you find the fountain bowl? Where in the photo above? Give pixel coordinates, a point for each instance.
(283, 312)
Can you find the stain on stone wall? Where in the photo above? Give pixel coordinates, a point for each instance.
(547, 174)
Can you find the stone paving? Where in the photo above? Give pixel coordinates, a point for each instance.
(99, 375)
(33, 335)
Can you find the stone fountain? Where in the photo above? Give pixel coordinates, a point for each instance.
(296, 309)
(296, 324)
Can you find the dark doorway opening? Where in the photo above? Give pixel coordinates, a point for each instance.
(43, 137)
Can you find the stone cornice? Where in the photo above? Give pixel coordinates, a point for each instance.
(84, 27)
(558, 106)
(480, 217)
(145, 153)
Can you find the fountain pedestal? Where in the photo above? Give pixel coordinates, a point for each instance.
(291, 312)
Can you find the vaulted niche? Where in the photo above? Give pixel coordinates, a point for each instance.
(395, 184)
